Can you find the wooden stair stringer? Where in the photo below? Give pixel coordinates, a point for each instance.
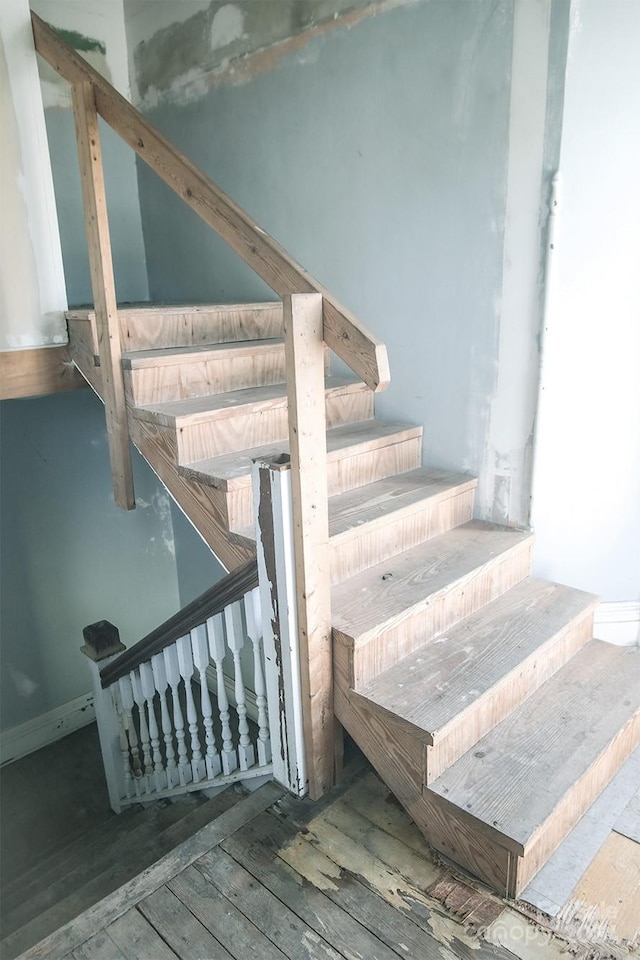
(204, 506)
(399, 759)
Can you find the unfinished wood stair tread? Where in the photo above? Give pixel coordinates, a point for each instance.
(253, 400)
(371, 602)
(233, 470)
(405, 492)
(484, 655)
(196, 353)
(514, 779)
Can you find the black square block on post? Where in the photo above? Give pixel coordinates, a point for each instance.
(102, 640)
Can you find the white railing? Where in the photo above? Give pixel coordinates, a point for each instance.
(193, 715)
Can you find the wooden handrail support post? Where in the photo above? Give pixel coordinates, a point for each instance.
(104, 293)
(304, 353)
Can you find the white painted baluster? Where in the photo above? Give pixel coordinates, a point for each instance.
(145, 742)
(235, 642)
(200, 648)
(160, 680)
(126, 699)
(185, 660)
(173, 676)
(215, 633)
(129, 788)
(253, 617)
(149, 692)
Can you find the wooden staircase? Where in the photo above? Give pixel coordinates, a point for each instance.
(474, 689)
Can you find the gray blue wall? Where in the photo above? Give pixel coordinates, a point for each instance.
(376, 155)
(69, 555)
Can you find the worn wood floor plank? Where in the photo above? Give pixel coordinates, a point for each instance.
(222, 918)
(372, 799)
(255, 848)
(116, 904)
(179, 928)
(402, 895)
(99, 947)
(605, 905)
(138, 940)
(290, 934)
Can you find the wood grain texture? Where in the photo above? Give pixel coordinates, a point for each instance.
(367, 439)
(511, 785)
(179, 373)
(307, 432)
(99, 947)
(387, 517)
(104, 913)
(179, 928)
(458, 687)
(103, 286)
(265, 910)
(37, 372)
(386, 612)
(83, 340)
(363, 352)
(256, 849)
(137, 938)
(222, 918)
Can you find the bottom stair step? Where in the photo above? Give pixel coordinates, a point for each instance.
(524, 785)
(457, 687)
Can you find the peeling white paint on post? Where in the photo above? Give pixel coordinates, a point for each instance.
(276, 572)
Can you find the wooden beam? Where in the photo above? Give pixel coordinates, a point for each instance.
(350, 339)
(304, 348)
(104, 292)
(38, 372)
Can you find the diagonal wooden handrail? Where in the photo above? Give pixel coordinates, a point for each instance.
(231, 588)
(353, 343)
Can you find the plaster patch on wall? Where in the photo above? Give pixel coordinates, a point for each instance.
(160, 505)
(180, 63)
(227, 25)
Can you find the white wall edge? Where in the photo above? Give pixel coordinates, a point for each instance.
(41, 731)
(618, 622)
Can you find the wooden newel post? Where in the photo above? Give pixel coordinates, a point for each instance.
(102, 644)
(104, 291)
(304, 352)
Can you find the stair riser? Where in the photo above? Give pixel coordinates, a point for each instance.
(342, 474)
(224, 435)
(363, 547)
(154, 330)
(357, 470)
(196, 379)
(513, 690)
(440, 612)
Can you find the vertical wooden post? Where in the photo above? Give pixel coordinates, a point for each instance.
(104, 293)
(304, 352)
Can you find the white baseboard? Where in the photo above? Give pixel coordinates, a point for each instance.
(618, 622)
(41, 731)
